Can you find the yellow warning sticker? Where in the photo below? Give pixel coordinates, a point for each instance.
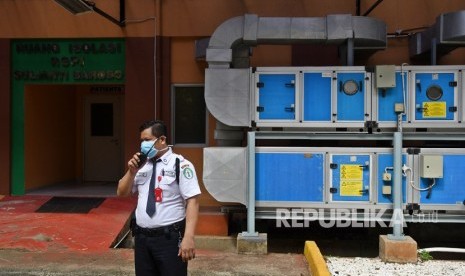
(351, 172)
(351, 188)
(434, 110)
(351, 180)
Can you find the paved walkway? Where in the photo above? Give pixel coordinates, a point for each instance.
(21, 227)
(120, 262)
(42, 244)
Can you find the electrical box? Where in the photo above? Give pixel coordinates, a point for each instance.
(387, 190)
(449, 189)
(387, 176)
(399, 108)
(431, 166)
(390, 101)
(385, 76)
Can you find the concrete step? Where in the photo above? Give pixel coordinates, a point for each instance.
(226, 263)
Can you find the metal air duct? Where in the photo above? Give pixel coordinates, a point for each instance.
(227, 80)
(447, 34)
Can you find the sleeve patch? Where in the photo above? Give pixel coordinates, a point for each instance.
(188, 173)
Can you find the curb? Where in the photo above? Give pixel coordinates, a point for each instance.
(219, 243)
(316, 263)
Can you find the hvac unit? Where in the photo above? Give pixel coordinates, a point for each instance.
(322, 98)
(336, 97)
(436, 93)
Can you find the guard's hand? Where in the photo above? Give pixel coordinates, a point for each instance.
(133, 163)
(187, 249)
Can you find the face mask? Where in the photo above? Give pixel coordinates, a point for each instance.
(147, 148)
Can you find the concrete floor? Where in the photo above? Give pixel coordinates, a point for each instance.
(59, 243)
(81, 244)
(120, 262)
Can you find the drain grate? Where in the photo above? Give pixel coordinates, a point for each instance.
(79, 205)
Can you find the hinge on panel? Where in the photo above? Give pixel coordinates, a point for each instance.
(364, 191)
(371, 124)
(260, 108)
(260, 84)
(413, 206)
(453, 84)
(333, 190)
(333, 166)
(289, 85)
(452, 109)
(413, 151)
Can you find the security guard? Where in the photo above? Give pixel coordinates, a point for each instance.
(167, 206)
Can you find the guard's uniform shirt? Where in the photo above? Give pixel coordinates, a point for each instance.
(172, 207)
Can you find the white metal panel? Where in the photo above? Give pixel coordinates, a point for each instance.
(225, 173)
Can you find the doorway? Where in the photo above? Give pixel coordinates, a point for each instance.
(73, 141)
(102, 138)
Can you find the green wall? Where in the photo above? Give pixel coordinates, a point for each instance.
(56, 61)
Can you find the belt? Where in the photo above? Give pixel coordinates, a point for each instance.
(160, 231)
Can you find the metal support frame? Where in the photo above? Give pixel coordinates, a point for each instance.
(357, 7)
(397, 216)
(80, 6)
(361, 136)
(370, 9)
(122, 13)
(434, 49)
(251, 187)
(350, 52)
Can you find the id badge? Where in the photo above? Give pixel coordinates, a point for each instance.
(158, 194)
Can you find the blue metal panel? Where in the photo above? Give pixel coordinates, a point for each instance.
(317, 97)
(449, 189)
(289, 177)
(351, 107)
(424, 81)
(277, 96)
(342, 162)
(390, 96)
(384, 161)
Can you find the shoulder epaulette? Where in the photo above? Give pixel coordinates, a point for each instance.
(177, 164)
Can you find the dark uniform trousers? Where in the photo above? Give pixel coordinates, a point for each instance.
(156, 252)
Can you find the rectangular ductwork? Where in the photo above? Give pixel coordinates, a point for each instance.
(447, 33)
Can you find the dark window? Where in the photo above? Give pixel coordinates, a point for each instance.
(101, 119)
(189, 115)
